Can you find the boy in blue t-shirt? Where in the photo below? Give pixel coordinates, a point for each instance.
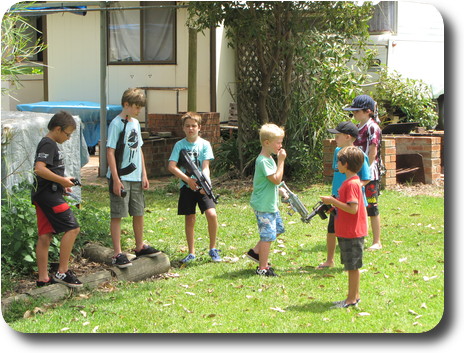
(265, 196)
(201, 153)
(345, 134)
(127, 176)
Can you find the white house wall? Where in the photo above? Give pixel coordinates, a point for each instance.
(74, 60)
(417, 49)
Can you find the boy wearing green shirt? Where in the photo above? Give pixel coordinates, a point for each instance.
(264, 199)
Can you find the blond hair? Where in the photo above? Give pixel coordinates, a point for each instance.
(191, 115)
(270, 132)
(133, 96)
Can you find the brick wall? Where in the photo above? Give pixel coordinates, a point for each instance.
(210, 128)
(429, 147)
(158, 151)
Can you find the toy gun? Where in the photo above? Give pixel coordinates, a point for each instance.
(192, 170)
(321, 209)
(295, 204)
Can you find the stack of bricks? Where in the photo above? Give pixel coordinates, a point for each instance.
(388, 153)
(157, 151)
(429, 147)
(210, 128)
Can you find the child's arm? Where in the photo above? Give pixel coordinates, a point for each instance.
(42, 171)
(350, 207)
(276, 178)
(117, 184)
(145, 182)
(174, 169)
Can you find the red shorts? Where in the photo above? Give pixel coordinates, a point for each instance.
(43, 223)
(55, 219)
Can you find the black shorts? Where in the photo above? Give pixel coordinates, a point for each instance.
(351, 252)
(188, 200)
(54, 214)
(372, 190)
(331, 225)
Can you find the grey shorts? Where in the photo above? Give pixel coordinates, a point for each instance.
(133, 204)
(351, 252)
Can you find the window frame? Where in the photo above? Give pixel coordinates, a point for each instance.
(142, 33)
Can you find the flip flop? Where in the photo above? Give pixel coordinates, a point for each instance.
(375, 247)
(323, 267)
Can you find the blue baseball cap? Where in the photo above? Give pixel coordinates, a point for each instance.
(362, 102)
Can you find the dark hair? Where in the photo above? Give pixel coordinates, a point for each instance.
(62, 119)
(353, 157)
(133, 96)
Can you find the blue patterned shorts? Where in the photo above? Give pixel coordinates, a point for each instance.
(269, 225)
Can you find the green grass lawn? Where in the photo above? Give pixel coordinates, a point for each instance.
(402, 285)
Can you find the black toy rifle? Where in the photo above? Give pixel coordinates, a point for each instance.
(295, 204)
(192, 170)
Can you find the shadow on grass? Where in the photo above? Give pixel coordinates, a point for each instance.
(314, 307)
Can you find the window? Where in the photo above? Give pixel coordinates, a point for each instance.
(146, 36)
(385, 18)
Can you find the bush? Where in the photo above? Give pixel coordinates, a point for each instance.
(410, 100)
(19, 231)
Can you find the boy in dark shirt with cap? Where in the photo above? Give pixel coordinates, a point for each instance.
(369, 140)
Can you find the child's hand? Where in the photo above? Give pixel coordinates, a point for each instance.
(283, 193)
(192, 183)
(282, 154)
(67, 182)
(327, 200)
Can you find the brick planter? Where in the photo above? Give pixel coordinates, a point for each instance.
(157, 151)
(210, 128)
(428, 147)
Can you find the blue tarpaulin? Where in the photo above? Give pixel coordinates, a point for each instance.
(89, 113)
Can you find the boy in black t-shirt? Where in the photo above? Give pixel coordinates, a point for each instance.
(53, 213)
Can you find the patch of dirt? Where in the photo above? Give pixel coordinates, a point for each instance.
(437, 190)
(79, 265)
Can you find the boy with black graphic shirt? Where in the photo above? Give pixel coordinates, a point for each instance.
(53, 213)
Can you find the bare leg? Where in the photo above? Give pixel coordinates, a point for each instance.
(41, 250)
(353, 286)
(137, 226)
(264, 248)
(331, 245)
(375, 224)
(66, 246)
(190, 232)
(115, 228)
(211, 217)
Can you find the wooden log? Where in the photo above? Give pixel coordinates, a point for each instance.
(141, 269)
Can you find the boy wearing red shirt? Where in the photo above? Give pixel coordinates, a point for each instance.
(351, 220)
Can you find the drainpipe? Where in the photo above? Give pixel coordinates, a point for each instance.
(103, 102)
(192, 71)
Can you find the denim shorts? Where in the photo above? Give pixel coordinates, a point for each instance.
(269, 225)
